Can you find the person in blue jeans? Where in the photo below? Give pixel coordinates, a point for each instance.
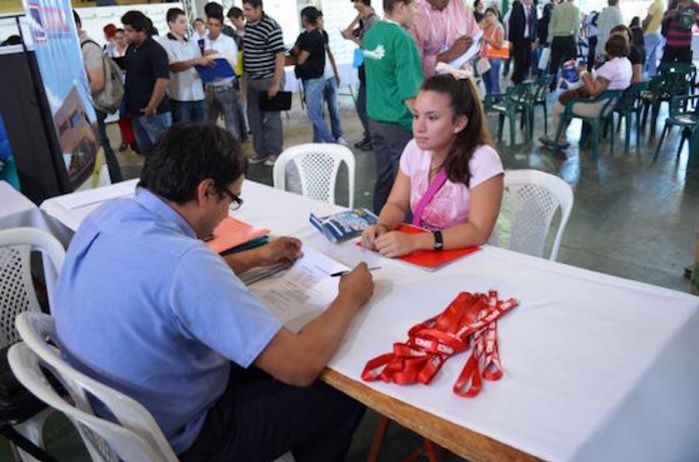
(330, 90)
(493, 37)
(186, 87)
(147, 80)
(310, 68)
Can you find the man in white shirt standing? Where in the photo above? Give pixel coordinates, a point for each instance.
(608, 18)
(186, 89)
(221, 95)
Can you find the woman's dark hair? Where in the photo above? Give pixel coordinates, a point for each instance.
(617, 46)
(137, 20)
(492, 9)
(621, 28)
(637, 38)
(635, 22)
(476, 3)
(188, 154)
(464, 102)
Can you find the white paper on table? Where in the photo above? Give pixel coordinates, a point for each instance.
(301, 293)
(473, 50)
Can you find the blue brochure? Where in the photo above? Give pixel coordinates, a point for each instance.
(221, 70)
(344, 225)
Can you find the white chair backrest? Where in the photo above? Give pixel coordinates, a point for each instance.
(318, 166)
(135, 438)
(534, 198)
(16, 287)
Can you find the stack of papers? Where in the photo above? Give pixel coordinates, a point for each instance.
(300, 293)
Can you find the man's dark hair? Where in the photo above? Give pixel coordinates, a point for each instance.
(137, 20)
(366, 2)
(173, 14)
(235, 12)
(76, 18)
(186, 155)
(311, 14)
(214, 11)
(616, 47)
(390, 5)
(253, 3)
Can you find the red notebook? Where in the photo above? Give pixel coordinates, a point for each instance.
(232, 233)
(431, 259)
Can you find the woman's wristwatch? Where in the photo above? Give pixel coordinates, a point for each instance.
(438, 240)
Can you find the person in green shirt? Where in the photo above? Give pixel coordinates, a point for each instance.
(393, 78)
(564, 27)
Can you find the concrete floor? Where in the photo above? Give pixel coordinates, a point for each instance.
(631, 219)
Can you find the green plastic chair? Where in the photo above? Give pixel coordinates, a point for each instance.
(538, 92)
(680, 116)
(514, 101)
(596, 122)
(628, 104)
(673, 79)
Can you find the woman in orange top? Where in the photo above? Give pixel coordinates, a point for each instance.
(493, 37)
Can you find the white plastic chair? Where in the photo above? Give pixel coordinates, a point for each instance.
(17, 294)
(134, 437)
(534, 198)
(318, 166)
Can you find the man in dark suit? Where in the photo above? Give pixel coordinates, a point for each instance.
(522, 36)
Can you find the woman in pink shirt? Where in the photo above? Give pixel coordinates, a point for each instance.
(450, 178)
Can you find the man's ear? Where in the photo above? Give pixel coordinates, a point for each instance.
(204, 190)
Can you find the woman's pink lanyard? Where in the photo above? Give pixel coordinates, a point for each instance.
(437, 182)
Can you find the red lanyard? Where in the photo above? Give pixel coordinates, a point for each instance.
(470, 320)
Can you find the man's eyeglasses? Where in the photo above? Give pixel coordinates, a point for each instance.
(236, 201)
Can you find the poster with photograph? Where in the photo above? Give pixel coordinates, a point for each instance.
(65, 82)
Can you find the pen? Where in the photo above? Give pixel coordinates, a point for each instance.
(345, 272)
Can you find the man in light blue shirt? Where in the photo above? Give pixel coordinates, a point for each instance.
(144, 306)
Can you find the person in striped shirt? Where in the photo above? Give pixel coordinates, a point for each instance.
(263, 59)
(678, 22)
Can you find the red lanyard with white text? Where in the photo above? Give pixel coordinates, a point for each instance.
(470, 320)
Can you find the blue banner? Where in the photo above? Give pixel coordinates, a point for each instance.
(66, 86)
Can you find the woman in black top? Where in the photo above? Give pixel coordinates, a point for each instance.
(637, 55)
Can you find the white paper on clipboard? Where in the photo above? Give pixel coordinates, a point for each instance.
(471, 53)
